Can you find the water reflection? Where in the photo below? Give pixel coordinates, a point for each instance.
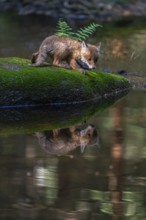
(59, 141)
(58, 186)
(27, 120)
(106, 182)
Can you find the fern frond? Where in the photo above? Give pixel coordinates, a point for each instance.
(63, 29)
(84, 33)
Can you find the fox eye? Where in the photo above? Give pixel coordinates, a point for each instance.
(89, 59)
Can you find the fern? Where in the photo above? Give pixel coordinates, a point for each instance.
(84, 33)
(63, 29)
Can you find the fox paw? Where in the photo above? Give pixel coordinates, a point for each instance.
(83, 71)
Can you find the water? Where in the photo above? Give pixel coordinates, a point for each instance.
(45, 174)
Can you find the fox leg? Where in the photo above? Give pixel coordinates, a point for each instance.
(73, 64)
(38, 58)
(58, 62)
(56, 132)
(34, 57)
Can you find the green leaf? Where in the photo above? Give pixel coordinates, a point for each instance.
(87, 31)
(63, 29)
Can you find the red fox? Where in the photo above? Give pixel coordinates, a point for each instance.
(77, 55)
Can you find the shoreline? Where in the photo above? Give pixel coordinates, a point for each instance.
(83, 10)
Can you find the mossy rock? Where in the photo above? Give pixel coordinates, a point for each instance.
(24, 85)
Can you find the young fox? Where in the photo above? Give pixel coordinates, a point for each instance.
(77, 55)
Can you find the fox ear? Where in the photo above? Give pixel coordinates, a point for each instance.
(98, 46)
(84, 46)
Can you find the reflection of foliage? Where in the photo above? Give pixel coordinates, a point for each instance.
(130, 201)
(63, 29)
(52, 182)
(46, 176)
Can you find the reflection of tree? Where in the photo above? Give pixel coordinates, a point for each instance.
(115, 178)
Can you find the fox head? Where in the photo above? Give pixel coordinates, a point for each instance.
(89, 56)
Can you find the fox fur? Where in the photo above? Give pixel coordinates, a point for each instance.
(67, 52)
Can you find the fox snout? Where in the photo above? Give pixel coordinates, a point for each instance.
(92, 68)
(89, 67)
(84, 64)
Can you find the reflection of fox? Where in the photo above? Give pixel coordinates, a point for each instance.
(76, 54)
(67, 139)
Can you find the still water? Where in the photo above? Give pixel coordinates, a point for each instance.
(75, 162)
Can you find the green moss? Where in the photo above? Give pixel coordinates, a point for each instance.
(22, 84)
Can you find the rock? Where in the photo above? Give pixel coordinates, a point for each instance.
(24, 85)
